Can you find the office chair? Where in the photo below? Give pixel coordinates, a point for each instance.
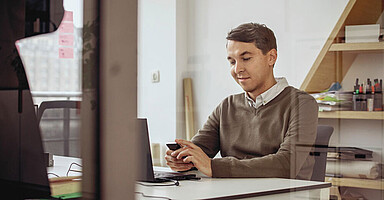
(320, 152)
(60, 127)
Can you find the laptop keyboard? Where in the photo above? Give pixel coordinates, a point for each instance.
(173, 175)
(164, 174)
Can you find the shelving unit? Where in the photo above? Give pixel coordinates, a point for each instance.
(352, 115)
(332, 65)
(357, 182)
(335, 58)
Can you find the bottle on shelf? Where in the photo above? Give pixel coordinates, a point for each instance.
(378, 95)
(359, 99)
(370, 95)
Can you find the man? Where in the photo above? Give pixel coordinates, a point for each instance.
(267, 131)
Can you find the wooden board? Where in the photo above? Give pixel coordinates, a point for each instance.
(359, 47)
(188, 106)
(356, 182)
(377, 115)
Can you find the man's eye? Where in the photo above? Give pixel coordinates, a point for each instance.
(245, 59)
(232, 62)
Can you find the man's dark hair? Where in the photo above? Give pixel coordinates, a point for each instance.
(259, 34)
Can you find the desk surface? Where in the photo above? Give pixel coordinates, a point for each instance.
(228, 188)
(215, 188)
(207, 188)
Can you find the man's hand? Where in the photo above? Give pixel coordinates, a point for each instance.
(192, 153)
(177, 164)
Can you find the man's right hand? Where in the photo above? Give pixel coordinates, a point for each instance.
(177, 164)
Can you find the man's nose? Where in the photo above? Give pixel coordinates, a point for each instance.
(238, 68)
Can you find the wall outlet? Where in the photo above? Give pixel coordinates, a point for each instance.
(155, 76)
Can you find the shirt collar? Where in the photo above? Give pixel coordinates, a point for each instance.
(268, 95)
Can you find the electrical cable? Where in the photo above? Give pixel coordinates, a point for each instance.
(70, 166)
(53, 174)
(175, 183)
(148, 196)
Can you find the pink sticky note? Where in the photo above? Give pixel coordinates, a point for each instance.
(17, 44)
(66, 40)
(68, 16)
(66, 27)
(65, 52)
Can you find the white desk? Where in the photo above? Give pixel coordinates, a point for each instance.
(244, 188)
(218, 188)
(61, 166)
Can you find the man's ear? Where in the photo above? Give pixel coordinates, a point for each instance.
(272, 57)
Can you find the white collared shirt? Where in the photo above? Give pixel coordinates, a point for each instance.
(268, 95)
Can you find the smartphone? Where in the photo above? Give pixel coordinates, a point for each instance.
(173, 146)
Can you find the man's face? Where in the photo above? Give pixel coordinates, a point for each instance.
(250, 68)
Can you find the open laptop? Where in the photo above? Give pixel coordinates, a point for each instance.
(147, 174)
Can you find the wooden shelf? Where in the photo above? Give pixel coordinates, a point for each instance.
(377, 115)
(335, 58)
(358, 47)
(357, 183)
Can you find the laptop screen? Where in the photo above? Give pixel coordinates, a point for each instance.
(145, 158)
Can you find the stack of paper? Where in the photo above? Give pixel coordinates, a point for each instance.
(349, 153)
(333, 101)
(65, 185)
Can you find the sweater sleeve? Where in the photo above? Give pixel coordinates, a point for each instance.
(208, 138)
(290, 158)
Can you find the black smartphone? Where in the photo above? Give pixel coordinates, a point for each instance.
(173, 146)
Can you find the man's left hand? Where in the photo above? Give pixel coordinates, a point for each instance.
(195, 155)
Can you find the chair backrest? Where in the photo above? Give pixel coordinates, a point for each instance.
(320, 152)
(60, 126)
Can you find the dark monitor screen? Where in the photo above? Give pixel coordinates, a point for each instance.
(145, 161)
(23, 173)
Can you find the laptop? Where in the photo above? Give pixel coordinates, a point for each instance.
(147, 174)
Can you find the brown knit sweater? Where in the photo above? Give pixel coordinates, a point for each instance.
(273, 140)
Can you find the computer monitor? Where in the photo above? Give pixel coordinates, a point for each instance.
(145, 161)
(23, 172)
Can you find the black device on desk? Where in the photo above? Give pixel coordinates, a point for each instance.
(145, 159)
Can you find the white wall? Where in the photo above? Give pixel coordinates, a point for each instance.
(301, 28)
(184, 38)
(181, 63)
(157, 51)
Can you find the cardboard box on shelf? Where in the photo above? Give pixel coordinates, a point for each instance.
(362, 33)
